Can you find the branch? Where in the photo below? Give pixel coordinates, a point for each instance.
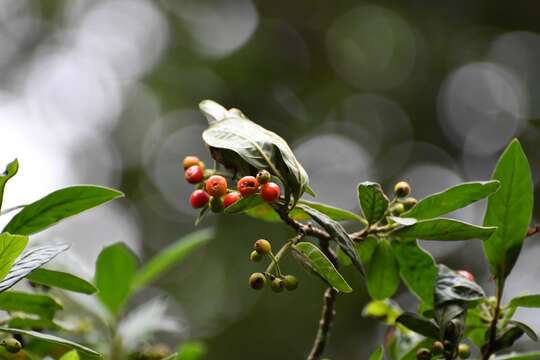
(488, 350)
(533, 230)
(327, 316)
(306, 229)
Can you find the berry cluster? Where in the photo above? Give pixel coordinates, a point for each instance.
(438, 348)
(403, 203)
(278, 282)
(213, 189)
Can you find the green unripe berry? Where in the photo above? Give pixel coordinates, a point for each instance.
(257, 281)
(262, 246)
(464, 351)
(255, 256)
(402, 189)
(263, 177)
(397, 209)
(409, 202)
(290, 282)
(423, 354)
(12, 345)
(277, 285)
(216, 204)
(437, 348)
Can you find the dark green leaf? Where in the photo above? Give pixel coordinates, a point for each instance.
(452, 199)
(383, 272)
(115, 269)
(508, 338)
(42, 305)
(58, 205)
(61, 280)
(192, 350)
(535, 355)
(377, 354)
(55, 340)
(338, 233)
(510, 209)
(11, 246)
(366, 248)
(257, 146)
(28, 262)
(313, 258)
(244, 204)
(170, 256)
(443, 229)
(334, 213)
(372, 200)
(530, 332)
(11, 170)
(419, 325)
(528, 301)
(451, 286)
(417, 267)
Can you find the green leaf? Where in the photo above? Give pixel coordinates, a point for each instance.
(338, 233)
(452, 287)
(405, 221)
(257, 147)
(170, 256)
(28, 262)
(115, 269)
(377, 354)
(443, 229)
(366, 248)
(373, 201)
(383, 310)
(526, 329)
(70, 355)
(313, 258)
(11, 170)
(244, 204)
(452, 199)
(191, 350)
(528, 301)
(510, 209)
(417, 267)
(55, 340)
(58, 205)
(334, 213)
(61, 280)
(419, 325)
(535, 355)
(42, 305)
(508, 338)
(383, 272)
(11, 246)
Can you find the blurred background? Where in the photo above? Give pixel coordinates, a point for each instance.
(106, 92)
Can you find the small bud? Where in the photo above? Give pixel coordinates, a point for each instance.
(423, 354)
(397, 209)
(409, 203)
(263, 177)
(262, 246)
(464, 351)
(257, 281)
(402, 189)
(437, 348)
(255, 256)
(277, 285)
(290, 282)
(11, 345)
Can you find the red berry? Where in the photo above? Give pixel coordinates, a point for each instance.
(194, 174)
(198, 199)
(270, 191)
(216, 185)
(190, 161)
(467, 275)
(248, 185)
(231, 198)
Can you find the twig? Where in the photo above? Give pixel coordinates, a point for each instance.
(325, 325)
(488, 351)
(533, 230)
